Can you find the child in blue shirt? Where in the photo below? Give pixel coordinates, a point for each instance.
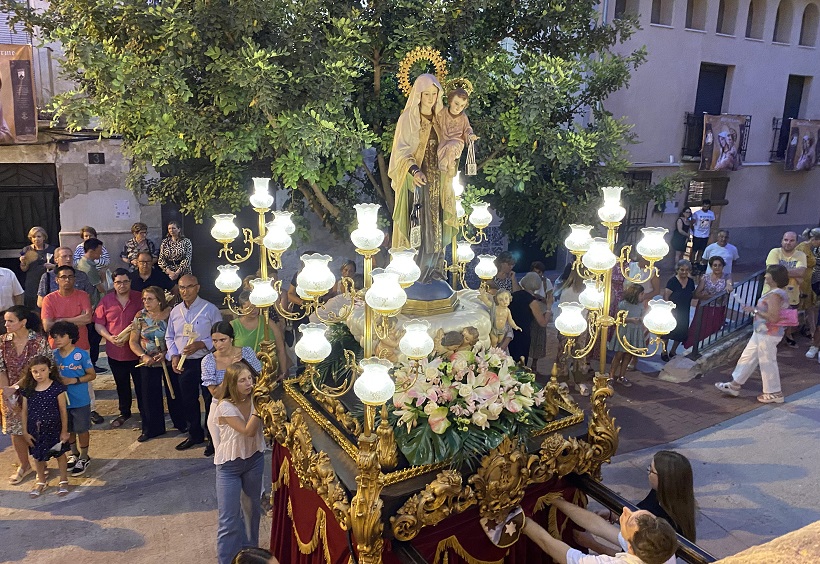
(76, 371)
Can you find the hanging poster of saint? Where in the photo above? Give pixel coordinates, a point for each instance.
(18, 108)
(801, 151)
(722, 140)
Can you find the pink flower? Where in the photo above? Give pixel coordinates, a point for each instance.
(437, 418)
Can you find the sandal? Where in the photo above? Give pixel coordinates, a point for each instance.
(624, 382)
(62, 490)
(728, 388)
(117, 423)
(20, 475)
(38, 489)
(777, 397)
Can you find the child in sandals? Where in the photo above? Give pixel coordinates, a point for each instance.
(45, 420)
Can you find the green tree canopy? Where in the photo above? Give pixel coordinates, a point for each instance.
(212, 92)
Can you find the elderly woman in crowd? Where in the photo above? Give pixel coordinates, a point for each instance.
(139, 243)
(505, 278)
(33, 259)
(527, 311)
(679, 290)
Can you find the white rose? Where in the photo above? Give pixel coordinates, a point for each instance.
(464, 390)
(526, 390)
(480, 418)
(495, 409)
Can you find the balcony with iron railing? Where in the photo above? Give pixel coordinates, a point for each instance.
(693, 136)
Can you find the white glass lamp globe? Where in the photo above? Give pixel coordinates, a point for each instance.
(659, 319)
(261, 198)
(592, 297)
(460, 209)
(263, 293)
(480, 217)
(276, 239)
(283, 218)
(315, 279)
(385, 296)
(374, 386)
(653, 246)
(464, 252)
(486, 268)
(579, 238)
(313, 347)
(224, 231)
(612, 211)
(228, 280)
(571, 321)
(416, 343)
(402, 263)
(367, 236)
(599, 257)
(458, 187)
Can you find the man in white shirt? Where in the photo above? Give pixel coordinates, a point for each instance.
(644, 538)
(722, 248)
(189, 336)
(11, 292)
(701, 229)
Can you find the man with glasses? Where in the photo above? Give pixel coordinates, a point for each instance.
(189, 339)
(63, 256)
(115, 312)
(67, 304)
(147, 274)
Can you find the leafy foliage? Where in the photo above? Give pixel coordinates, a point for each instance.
(212, 92)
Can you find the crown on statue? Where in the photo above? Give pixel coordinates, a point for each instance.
(459, 82)
(420, 54)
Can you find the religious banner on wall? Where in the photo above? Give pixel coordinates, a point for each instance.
(18, 108)
(801, 151)
(722, 140)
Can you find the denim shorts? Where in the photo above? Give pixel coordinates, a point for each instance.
(79, 419)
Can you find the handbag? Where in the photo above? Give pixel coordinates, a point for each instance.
(788, 318)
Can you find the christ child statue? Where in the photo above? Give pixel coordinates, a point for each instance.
(455, 130)
(501, 332)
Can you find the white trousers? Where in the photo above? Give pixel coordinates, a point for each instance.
(761, 349)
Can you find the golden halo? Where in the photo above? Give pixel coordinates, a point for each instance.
(420, 54)
(459, 82)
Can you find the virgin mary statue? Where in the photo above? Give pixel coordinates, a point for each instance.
(422, 190)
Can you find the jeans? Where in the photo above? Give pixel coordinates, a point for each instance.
(761, 349)
(236, 529)
(124, 371)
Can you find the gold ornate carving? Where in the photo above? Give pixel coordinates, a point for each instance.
(441, 498)
(337, 409)
(501, 479)
(602, 433)
(366, 506)
(414, 56)
(388, 451)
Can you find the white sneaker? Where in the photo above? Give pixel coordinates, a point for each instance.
(812, 352)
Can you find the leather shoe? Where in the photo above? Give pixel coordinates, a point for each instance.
(209, 449)
(142, 438)
(188, 443)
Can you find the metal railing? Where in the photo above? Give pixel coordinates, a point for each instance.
(688, 551)
(734, 318)
(778, 150)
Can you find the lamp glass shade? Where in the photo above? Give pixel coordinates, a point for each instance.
(374, 386)
(599, 257)
(571, 321)
(261, 198)
(315, 279)
(313, 347)
(659, 319)
(486, 268)
(612, 211)
(458, 187)
(579, 238)
(224, 230)
(460, 212)
(276, 239)
(367, 236)
(228, 280)
(464, 252)
(403, 264)
(283, 218)
(385, 296)
(416, 343)
(263, 293)
(480, 217)
(653, 246)
(592, 297)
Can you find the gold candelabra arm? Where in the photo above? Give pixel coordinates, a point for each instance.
(311, 375)
(413, 373)
(645, 273)
(285, 314)
(595, 322)
(229, 253)
(232, 306)
(274, 258)
(348, 291)
(655, 344)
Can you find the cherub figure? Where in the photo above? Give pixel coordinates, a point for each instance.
(470, 335)
(448, 343)
(455, 130)
(501, 332)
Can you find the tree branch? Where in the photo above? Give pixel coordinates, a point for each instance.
(372, 179)
(493, 155)
(317, 208)
(325, 203)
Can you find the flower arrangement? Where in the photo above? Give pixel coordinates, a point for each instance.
(463, 404)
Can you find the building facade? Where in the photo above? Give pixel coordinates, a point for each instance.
(752, 58)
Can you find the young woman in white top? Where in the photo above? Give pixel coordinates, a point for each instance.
(239, 461)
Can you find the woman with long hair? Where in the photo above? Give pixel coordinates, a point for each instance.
(249, 331)
(23, 341)
(673, 494)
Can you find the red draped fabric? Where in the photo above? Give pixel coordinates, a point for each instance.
(304, 530)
